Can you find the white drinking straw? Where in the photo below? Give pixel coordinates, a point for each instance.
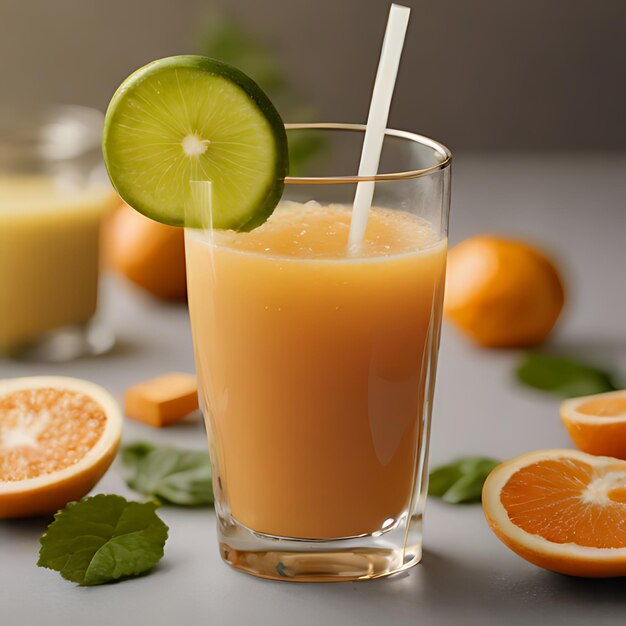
(199, 205)
(377, 120)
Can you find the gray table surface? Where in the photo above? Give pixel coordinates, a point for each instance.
(575, 206)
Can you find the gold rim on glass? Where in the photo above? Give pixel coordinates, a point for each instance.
(444, 154)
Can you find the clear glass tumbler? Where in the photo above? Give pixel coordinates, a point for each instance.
(317, 365)
(54, 195)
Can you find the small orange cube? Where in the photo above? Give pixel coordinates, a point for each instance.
(162, 401)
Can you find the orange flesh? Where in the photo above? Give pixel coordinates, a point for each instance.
(618, 494)
(604, 407)
(569, 501)
(46, 430)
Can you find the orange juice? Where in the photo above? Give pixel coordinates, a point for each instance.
(313, 365)
(49, 243)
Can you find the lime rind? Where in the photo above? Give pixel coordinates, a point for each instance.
(190, 118)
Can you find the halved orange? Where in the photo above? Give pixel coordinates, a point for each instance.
(597, 424)
(58, 436)
(562, 510)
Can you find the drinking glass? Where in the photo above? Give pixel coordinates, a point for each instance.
(53, 197)
(317, 369)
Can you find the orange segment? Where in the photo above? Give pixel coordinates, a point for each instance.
(562, 510)
(57, 438)
(597, 424)
(162, 401)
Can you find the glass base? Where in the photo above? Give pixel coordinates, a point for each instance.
(322, 560)
(68, 343)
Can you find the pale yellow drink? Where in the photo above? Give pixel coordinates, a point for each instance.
(313, 365)
(49, 243)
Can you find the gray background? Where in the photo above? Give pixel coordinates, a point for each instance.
(479, 74)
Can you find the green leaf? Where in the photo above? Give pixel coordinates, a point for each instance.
(135, 452)
(302, 148)
(181, 477)
(103, 538)
(468, 488)
(563, 376)
(442, 478)
(223, 36)
(480, 464)
(462, 480)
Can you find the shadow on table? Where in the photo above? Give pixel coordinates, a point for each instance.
(451, 587)
(24, 528)
(439, 574)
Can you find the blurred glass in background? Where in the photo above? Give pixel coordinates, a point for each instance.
(53, 197)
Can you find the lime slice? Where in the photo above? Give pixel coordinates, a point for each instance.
(188, 118)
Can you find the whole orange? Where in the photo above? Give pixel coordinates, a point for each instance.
(501, 292)
(150, 254)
